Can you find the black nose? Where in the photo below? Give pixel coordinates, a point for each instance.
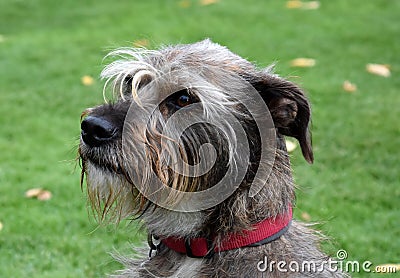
(97, 131)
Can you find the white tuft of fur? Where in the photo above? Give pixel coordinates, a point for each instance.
(110, 195)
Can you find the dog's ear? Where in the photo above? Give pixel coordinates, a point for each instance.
(289, 109)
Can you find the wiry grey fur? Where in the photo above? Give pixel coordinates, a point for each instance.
(113, 195)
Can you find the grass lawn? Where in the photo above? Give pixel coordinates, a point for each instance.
(46, 46)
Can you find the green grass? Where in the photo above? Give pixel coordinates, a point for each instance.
(47, 46)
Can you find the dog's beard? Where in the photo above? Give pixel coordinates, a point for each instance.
(113, 197)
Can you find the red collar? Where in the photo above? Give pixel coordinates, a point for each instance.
(262, 233)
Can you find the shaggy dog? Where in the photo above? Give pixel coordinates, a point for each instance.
(193, 145)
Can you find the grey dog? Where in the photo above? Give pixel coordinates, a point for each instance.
(193, 146)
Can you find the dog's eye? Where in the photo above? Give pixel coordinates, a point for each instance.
(181, 99)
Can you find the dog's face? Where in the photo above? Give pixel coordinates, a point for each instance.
(192, 126)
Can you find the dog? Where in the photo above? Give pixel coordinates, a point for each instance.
(193, 146)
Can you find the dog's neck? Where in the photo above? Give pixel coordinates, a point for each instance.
(261, 233)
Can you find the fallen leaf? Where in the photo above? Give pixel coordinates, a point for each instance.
(311, 5)
(87, 80)
(297, 4)
(379, 69)
(208, 2)
(349, 87)
(44, 195)
(38, 193)
(294, 4)
(141, 43)
(184, 4)
(32, 193)
(303, 62)
(305, 216)
(290, 146)
(1, 226)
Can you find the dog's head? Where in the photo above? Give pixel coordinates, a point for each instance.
(193, 130)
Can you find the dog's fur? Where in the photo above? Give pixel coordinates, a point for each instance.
(108, 169)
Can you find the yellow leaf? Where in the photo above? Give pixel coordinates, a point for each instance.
(305, 216)
(44, 195)
(312, 5)
(303, 62)
(141, 43)
(290, 146)
(379, 69)
(349, 87)
(32, 193)
(184, 4)
(294, 4)
(208, 2)
(38, 193)
(297, 4)
(1, 226)
(87, 80)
